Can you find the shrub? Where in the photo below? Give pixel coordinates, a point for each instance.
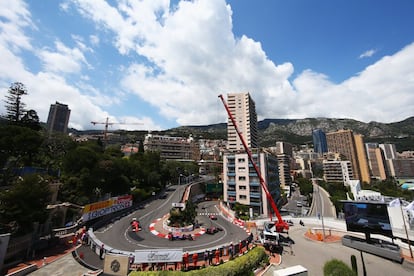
(336, 267)
(241, 266)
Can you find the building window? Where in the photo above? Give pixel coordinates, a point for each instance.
(242, 169)
(241, 160)
(242, 197)
(242, 187)
(242, 178)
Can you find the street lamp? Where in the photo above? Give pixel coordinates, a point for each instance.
(179, 179)
(319, 208)
(323, 225)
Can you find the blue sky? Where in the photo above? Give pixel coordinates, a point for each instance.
(159, 64)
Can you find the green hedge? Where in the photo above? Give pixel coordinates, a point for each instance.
(337, 267)
(240, 266)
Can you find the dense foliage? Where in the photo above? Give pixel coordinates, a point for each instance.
(180, 218)
(24, 203)
(88, 171)
(336, 267)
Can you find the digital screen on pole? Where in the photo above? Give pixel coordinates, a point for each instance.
(367, 217)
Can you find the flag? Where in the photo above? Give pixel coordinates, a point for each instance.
(395, 203)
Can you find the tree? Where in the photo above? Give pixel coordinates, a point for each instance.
(14, 105)
(30, 119)
(20, 144)
(25, 202)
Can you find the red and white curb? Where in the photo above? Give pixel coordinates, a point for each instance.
(241, 224)
(165, 236)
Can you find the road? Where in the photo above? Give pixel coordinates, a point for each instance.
(314, 254)
(321, 203)
(119, 235)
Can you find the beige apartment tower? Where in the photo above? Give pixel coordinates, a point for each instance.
(243, 109)
(350, 147)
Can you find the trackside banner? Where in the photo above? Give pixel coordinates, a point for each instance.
(158, 256)
(101, 208)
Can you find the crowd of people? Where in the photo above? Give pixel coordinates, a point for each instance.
(197, 260)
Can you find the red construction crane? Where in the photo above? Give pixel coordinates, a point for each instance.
(107, 123)
(280, 225)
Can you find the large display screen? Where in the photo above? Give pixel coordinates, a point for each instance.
(367, 217)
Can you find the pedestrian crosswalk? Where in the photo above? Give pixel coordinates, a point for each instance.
(208, 214)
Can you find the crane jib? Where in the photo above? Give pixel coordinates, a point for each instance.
(281, 225)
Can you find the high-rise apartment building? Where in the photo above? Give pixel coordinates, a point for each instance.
(319, 141)
(376, 161)
(243, 109)
(342, 142)
(351, 147)
(362, 160)
(389, 150)
(284, 154)
(58, 118)
(241, 183)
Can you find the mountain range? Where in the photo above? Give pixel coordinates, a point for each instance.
(299, 131)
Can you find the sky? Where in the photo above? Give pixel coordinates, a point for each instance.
(160, 64)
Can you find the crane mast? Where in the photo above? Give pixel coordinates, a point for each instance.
(281, 225)
(107, 124)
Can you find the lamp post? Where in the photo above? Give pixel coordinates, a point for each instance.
(319, 206)
(323, 225)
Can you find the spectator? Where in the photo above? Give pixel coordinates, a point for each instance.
(205, 258)
(131, 259)
(101, 252)
(185, 260)
(217, 255)
(195, 259)
(240, 248)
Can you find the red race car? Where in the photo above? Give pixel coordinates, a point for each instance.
(135, 225)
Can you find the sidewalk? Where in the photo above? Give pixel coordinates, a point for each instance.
(44, 258)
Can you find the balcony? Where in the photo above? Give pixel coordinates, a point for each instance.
(231, 182)
(255, 195)
(254, 183)
(231, 193)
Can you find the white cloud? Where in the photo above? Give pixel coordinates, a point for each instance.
(190, 57)
(63, 59)
(382, 92)
(194, 56)
(46, 87)
(368, 53)
(14, 16)
(94, 39)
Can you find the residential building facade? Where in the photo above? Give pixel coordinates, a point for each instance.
(58, 118)
(320, 145)
(243, 109)
(175, 148)
(241, 183)
(352, 148)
